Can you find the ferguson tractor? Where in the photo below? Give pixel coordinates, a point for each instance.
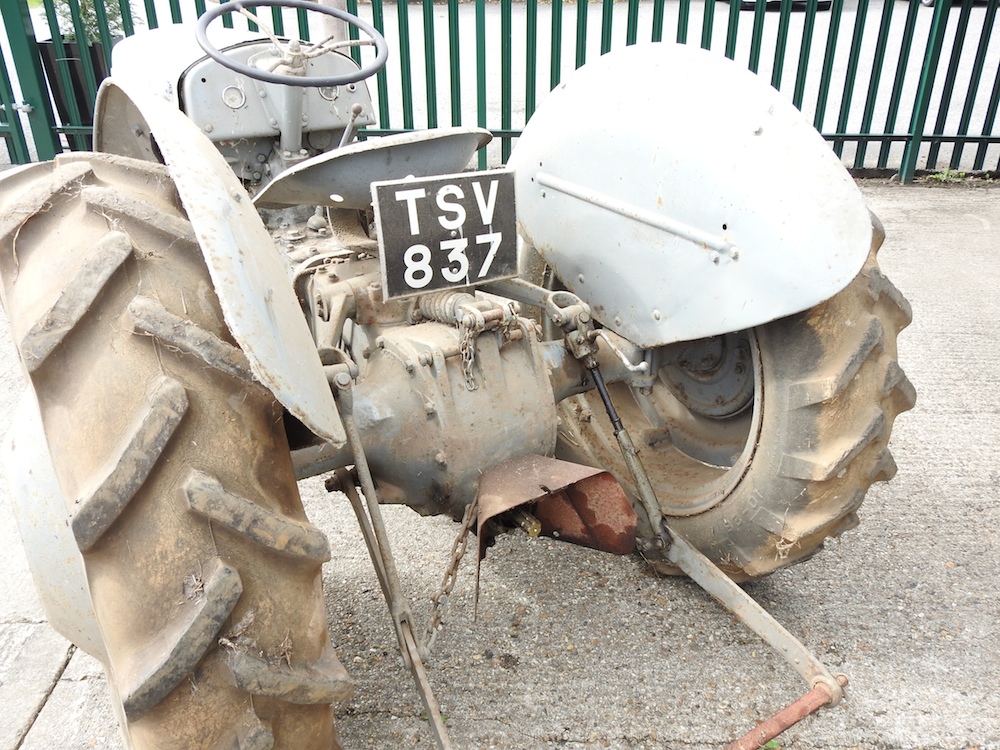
(624, 338)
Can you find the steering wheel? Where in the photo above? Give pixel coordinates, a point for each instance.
(294, 49)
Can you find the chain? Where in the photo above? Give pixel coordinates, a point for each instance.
(468, 350)
(439, 601)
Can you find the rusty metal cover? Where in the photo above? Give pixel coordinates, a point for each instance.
(575, 503)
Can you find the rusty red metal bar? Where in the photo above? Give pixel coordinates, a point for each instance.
(767, 730)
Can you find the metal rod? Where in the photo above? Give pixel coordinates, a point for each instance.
(928, 72)
(897, 85)
(732, 29)
(781, 44)
(454, 56)
(958, 41)
(377, 539)
(974, 79)
(805, 49)
(607, 16)
(852, 72)
(788, 717)
(430, 64)
(708, 22)
(506, 75)
(876, 77)
(647, 495)
(706, 574)
(757, 35)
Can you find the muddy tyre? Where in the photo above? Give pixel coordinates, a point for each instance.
(762, 444)
(204, 573)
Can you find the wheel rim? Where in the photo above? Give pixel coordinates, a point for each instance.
(694, 446)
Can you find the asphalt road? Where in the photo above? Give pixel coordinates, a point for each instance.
(577, 649)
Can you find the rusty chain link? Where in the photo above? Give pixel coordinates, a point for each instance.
(439, 601)
(468, 350)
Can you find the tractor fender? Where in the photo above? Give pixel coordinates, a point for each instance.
(40, 511)
(682, 197)
(250, 277)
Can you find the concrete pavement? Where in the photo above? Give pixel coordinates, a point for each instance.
(577, 649)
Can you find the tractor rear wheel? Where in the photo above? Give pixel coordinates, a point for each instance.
(763, 443)
(180, 492)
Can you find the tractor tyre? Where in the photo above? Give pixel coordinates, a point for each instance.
(763, 443)
(173, 462)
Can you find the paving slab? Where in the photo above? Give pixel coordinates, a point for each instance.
(573, 648)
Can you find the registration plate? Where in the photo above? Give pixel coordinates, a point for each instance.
(445, 232)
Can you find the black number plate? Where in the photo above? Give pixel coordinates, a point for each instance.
(445, 232)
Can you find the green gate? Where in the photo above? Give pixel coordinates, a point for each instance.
(893, 85)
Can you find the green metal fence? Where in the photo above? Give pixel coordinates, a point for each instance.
(891, 84)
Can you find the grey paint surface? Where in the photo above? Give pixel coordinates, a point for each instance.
(578, 649)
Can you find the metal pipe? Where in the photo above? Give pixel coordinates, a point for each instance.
(766, 731)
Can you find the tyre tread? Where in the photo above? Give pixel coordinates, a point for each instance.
(152, 430)
(170, 657)
(206, 496)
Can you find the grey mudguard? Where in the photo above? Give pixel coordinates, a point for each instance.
(343, 177)
(683, 197)
(249, 276)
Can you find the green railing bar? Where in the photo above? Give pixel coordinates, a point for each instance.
(852, 72)
(683, 21)
(454, 63)
(23, 48)
(991, 114)
(481, 72)
(430, 64)
(707, 24)
(128, 23)
(63, 74)
(302, 19)
(151, 21)
(278, 20)
(946, 137)
(734, 20)
(17, 145)
(974, 79)
(784, 20)
(250, 24)
(657, 35)
(876, 77)
(757, 35)
(607, 16)
(808, 27)
(175, 12)
(227, 20)
(405, 64)
(86, 62)
(531, 54)
(199, 8)
(897, 85)
(632, 29)
(581, 31)
(825, 78)
(506, 75)
(381, 82)
(352, 31)
(949, 80)
(928, 71)
(555, 61)
(104, 34)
